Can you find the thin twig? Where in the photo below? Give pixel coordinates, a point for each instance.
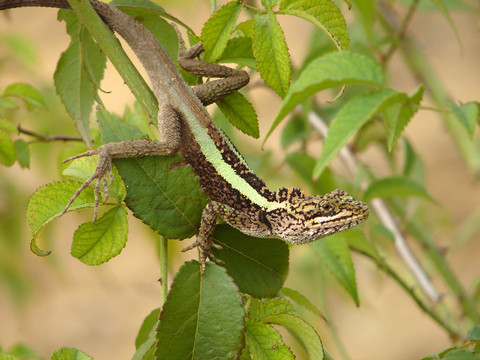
(400, 33)
(46, 137)
(384, 216)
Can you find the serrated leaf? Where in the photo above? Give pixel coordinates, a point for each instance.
(66, 353)
(334, 253)
(8, 154)
(79, 70)
(7, 126)
(396, 186)
(241, 113)
(47, 203)
(202, 317)
(303, 331)
(398, 116)
(350, 118)
(265, 343)
(217, 30)
(23, 153)
(323, 13)
(302, 301)
(26, 92)
(98, 242)
(261, 308)
(271, 52)
(467, 114)
(239, 51)
(328, 71)
(258, 266)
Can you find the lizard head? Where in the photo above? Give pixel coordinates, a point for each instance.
(314, 217)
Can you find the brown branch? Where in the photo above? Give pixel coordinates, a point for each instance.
(46, 137)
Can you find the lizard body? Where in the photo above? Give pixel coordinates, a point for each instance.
(238, 196)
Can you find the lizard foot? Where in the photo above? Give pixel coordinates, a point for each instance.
(104, 166)
(205, 248)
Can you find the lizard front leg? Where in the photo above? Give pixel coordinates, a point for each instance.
(204, 237)
(169, 128)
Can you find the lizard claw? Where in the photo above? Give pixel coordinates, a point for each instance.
(205, 248)
(104, 165)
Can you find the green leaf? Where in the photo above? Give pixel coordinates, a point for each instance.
(302, 301)
(79, 70)
(271, 53)
(66, 353)
(261, 308)
(398, 116)
(461, 354)
(146, 338)
(240, 112)
(217, 30)
(258, 266)
(474, 333)
(331, 70)
(350, 118)
(322, 13)
(396, 186)
(239, 51)
(26, 92)
(202, 317)
(22, 48)
(8, 103)
(7, 357)
(265, 343)
(8, 153)
(98, 242)
(7, 126)
(47, 203)
(467, 114)
(23, 153)
(303, 331)
(167, 197)
(149, 324)
(23, 352)
(269, 3)
(333, 251)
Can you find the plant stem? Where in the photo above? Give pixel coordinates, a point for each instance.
(400, 33)
(115, 53)
(163, 258)
(46, 137)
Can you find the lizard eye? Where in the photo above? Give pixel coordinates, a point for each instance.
(326, 207)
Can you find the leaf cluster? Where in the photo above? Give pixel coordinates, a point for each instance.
(236, 310)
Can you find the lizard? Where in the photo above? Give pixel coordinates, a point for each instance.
(237, 194)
